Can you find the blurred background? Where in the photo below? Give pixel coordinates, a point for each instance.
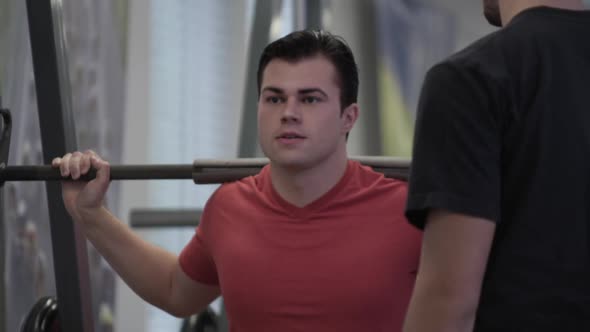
(169, 81)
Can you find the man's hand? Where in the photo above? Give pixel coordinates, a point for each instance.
(78, 196)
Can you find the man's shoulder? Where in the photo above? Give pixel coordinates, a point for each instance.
(232, 191)
(374, 193)
(482, 64)
(484, 54)
(511, 44)
(367, 177)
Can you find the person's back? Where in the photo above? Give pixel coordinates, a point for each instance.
(520, 148)
(538, 273)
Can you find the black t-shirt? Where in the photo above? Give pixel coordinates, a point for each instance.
(503, 133)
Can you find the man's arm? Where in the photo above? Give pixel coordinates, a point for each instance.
(455, 249)
(152, 272)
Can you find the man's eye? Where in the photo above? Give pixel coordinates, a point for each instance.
(273, 99)
(310, 100)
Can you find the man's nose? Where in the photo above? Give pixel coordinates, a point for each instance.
(291, 112)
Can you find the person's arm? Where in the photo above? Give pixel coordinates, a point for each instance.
(455, 193)
(153, 273)
(455, 250)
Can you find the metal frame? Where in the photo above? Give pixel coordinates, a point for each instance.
(3, 158)
(259, 36)
(164, 218)
(313, 10)
(58, 136)
(2, 261)
(369, 73)
(202, 171)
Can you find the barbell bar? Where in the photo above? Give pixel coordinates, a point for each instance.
(201, 171)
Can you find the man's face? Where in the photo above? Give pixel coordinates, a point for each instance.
(491, 10)
(300, 123)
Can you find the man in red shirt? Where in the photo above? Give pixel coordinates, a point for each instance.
(314, 242)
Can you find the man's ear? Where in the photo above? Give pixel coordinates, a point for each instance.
(349, 116)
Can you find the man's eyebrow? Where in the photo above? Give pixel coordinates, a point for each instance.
(300, 91)
(312, 90)
(273, 89)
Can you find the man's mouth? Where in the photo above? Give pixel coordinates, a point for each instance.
(290, 138)
(290, 135)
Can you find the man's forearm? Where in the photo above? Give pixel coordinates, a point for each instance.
(455, 250)
(146, 268)
(438, 313)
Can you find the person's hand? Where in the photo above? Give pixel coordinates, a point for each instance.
(80, 196)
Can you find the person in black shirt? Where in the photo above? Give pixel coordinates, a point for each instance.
(500, 179)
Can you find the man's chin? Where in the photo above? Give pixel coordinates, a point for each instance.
(294, 163)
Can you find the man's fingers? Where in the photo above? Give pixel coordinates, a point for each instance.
(103, 169)
(64, 167)
(75, 165)
(91, 153)
(85, 163)
(55, 162)
(103, 174)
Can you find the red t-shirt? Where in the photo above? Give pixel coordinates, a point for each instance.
(345, 262)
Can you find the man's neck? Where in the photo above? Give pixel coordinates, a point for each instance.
(511, 8)
(301, 187)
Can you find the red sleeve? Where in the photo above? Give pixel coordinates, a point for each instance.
(412, 234)
(196, 259)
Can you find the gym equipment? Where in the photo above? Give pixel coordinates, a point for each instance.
(205, 321)
(202, 171)
(164, 218)
(58, 135)
(3, 236)
(42, 317)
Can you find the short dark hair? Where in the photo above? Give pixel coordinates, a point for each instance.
(303, 44)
